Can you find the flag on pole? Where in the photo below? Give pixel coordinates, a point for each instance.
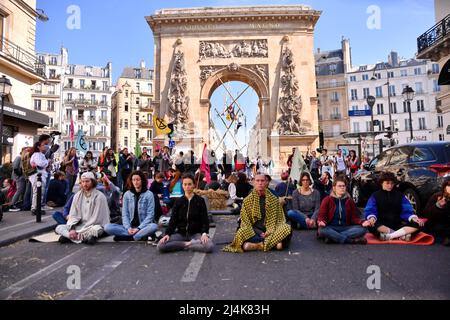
(81, 144)
(161, 127)
(298, 165)
(205, 165)
(71, 130)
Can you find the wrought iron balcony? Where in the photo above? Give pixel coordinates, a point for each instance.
(438, 32)
(20, 56)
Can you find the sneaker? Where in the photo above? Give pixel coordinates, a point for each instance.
(14, 209)
(90, 241)
(123, 238)
(384, 237)
(64, 240)
(51, 204)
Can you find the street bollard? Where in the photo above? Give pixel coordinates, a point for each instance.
(39, 198)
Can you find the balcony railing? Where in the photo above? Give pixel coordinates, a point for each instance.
(336, 84)
(145, 124)
(433, 35)
(145, 107)
(21, 57)
(336, 116)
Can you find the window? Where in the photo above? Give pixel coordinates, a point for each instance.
(121, 124)
(126, 93)
(435, 68)
(103, 115)
(380, 108)
(126, 106)
(137, 73)
(104, 100)
(138, 100)
(354, 108)
(138, 87)
(51, 89)
(81, 96)
(392, 91)
(50, 105)
(404, 73)
(69, 97)
(366, 92)
(105, 86)
(422, 154)
(436, 87)
(407, 125)
(72, 69)
(68, 114)
(70, 83)
(38, 89)
(81, 83)
(149, 135)
(420, 106)
(382, 125)
(356, 127)
(88, 71)
(52, 74)
(137, 116)
(37, 105)
(390, 74)
(332, 68)
(80, 115)
(399, 156)
(405, 106)
(50, 122)
(441, 137)
(422, 124)
(440, 121)
(354, 93)
(417, 71)
(103, 129)
(137, 134)
(379, 92)
(334, 97)
(352, 78)
(92, 131)
(393, 107)
(419, 89)
(125, 142)
(150, 88)
(368, 126)
(93, 98)
(365, 77)
(126, 124)
(377, 75)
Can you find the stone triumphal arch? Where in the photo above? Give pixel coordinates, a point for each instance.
(268, 47)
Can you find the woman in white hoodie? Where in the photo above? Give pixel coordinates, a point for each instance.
(40, 162)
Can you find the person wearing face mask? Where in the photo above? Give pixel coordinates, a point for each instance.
(389, 213)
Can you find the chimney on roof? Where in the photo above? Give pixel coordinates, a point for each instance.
(142, 64)
(393, 59)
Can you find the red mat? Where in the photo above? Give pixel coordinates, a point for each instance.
(420, 239)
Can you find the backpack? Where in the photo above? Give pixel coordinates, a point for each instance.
(27, 168)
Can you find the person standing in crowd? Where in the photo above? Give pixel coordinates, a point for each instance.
(71, 167)
(88, 215)
(102, 159)
(326, 162)
(138, 211)
(109, 165)
(314, 166)
(125, 167)
(290, 159)
(305, 204)
(353, 162)
(340, 164)
(365, 159)
(338, 219)
(263, 225)
(88, 163)
(157, 161)
(20, 180)
(166, 162)
(437, 211)
(389, 213)
(38, 161)
(189, 224)
(145, 165)
(179, 162)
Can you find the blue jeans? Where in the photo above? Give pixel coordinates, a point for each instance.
(256, 239)
(298, 218)
(120, 230)
(342, 234)
(47, 184)
(59, 218)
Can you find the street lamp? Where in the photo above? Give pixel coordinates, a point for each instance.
(391, 126)
(408, 96)
(5, 89)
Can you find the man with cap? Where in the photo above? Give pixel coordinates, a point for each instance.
(88, 215)
(389, 214)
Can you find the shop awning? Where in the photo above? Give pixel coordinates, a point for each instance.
(24, 114)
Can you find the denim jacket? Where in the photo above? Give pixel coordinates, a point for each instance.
(146, 209)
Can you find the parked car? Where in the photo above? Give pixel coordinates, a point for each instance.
(420, 168)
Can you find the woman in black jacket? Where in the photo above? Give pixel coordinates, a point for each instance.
(437, 212)
(189, 225)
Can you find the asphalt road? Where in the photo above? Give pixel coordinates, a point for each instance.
(308, 270)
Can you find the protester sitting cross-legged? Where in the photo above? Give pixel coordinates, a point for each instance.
(138, 211)
(389, 214)
(263, 224)
(189, 224)
(305, 204)
(437, 211)
(61, 217)
(339, 218)
(88, 215)
(56, 196)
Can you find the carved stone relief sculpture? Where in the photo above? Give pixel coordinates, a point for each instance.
(229, 49)
(261, 69)
(178, 99)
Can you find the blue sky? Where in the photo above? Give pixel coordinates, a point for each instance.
(107, 23)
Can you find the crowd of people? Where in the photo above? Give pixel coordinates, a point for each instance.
(169, 200)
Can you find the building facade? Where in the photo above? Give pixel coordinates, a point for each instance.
(132, 112)
(385, 81)
(87, 102)
(18, 63)
(434, 44)
(331, 67)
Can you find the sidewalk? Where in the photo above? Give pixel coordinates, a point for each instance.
(17, 226)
